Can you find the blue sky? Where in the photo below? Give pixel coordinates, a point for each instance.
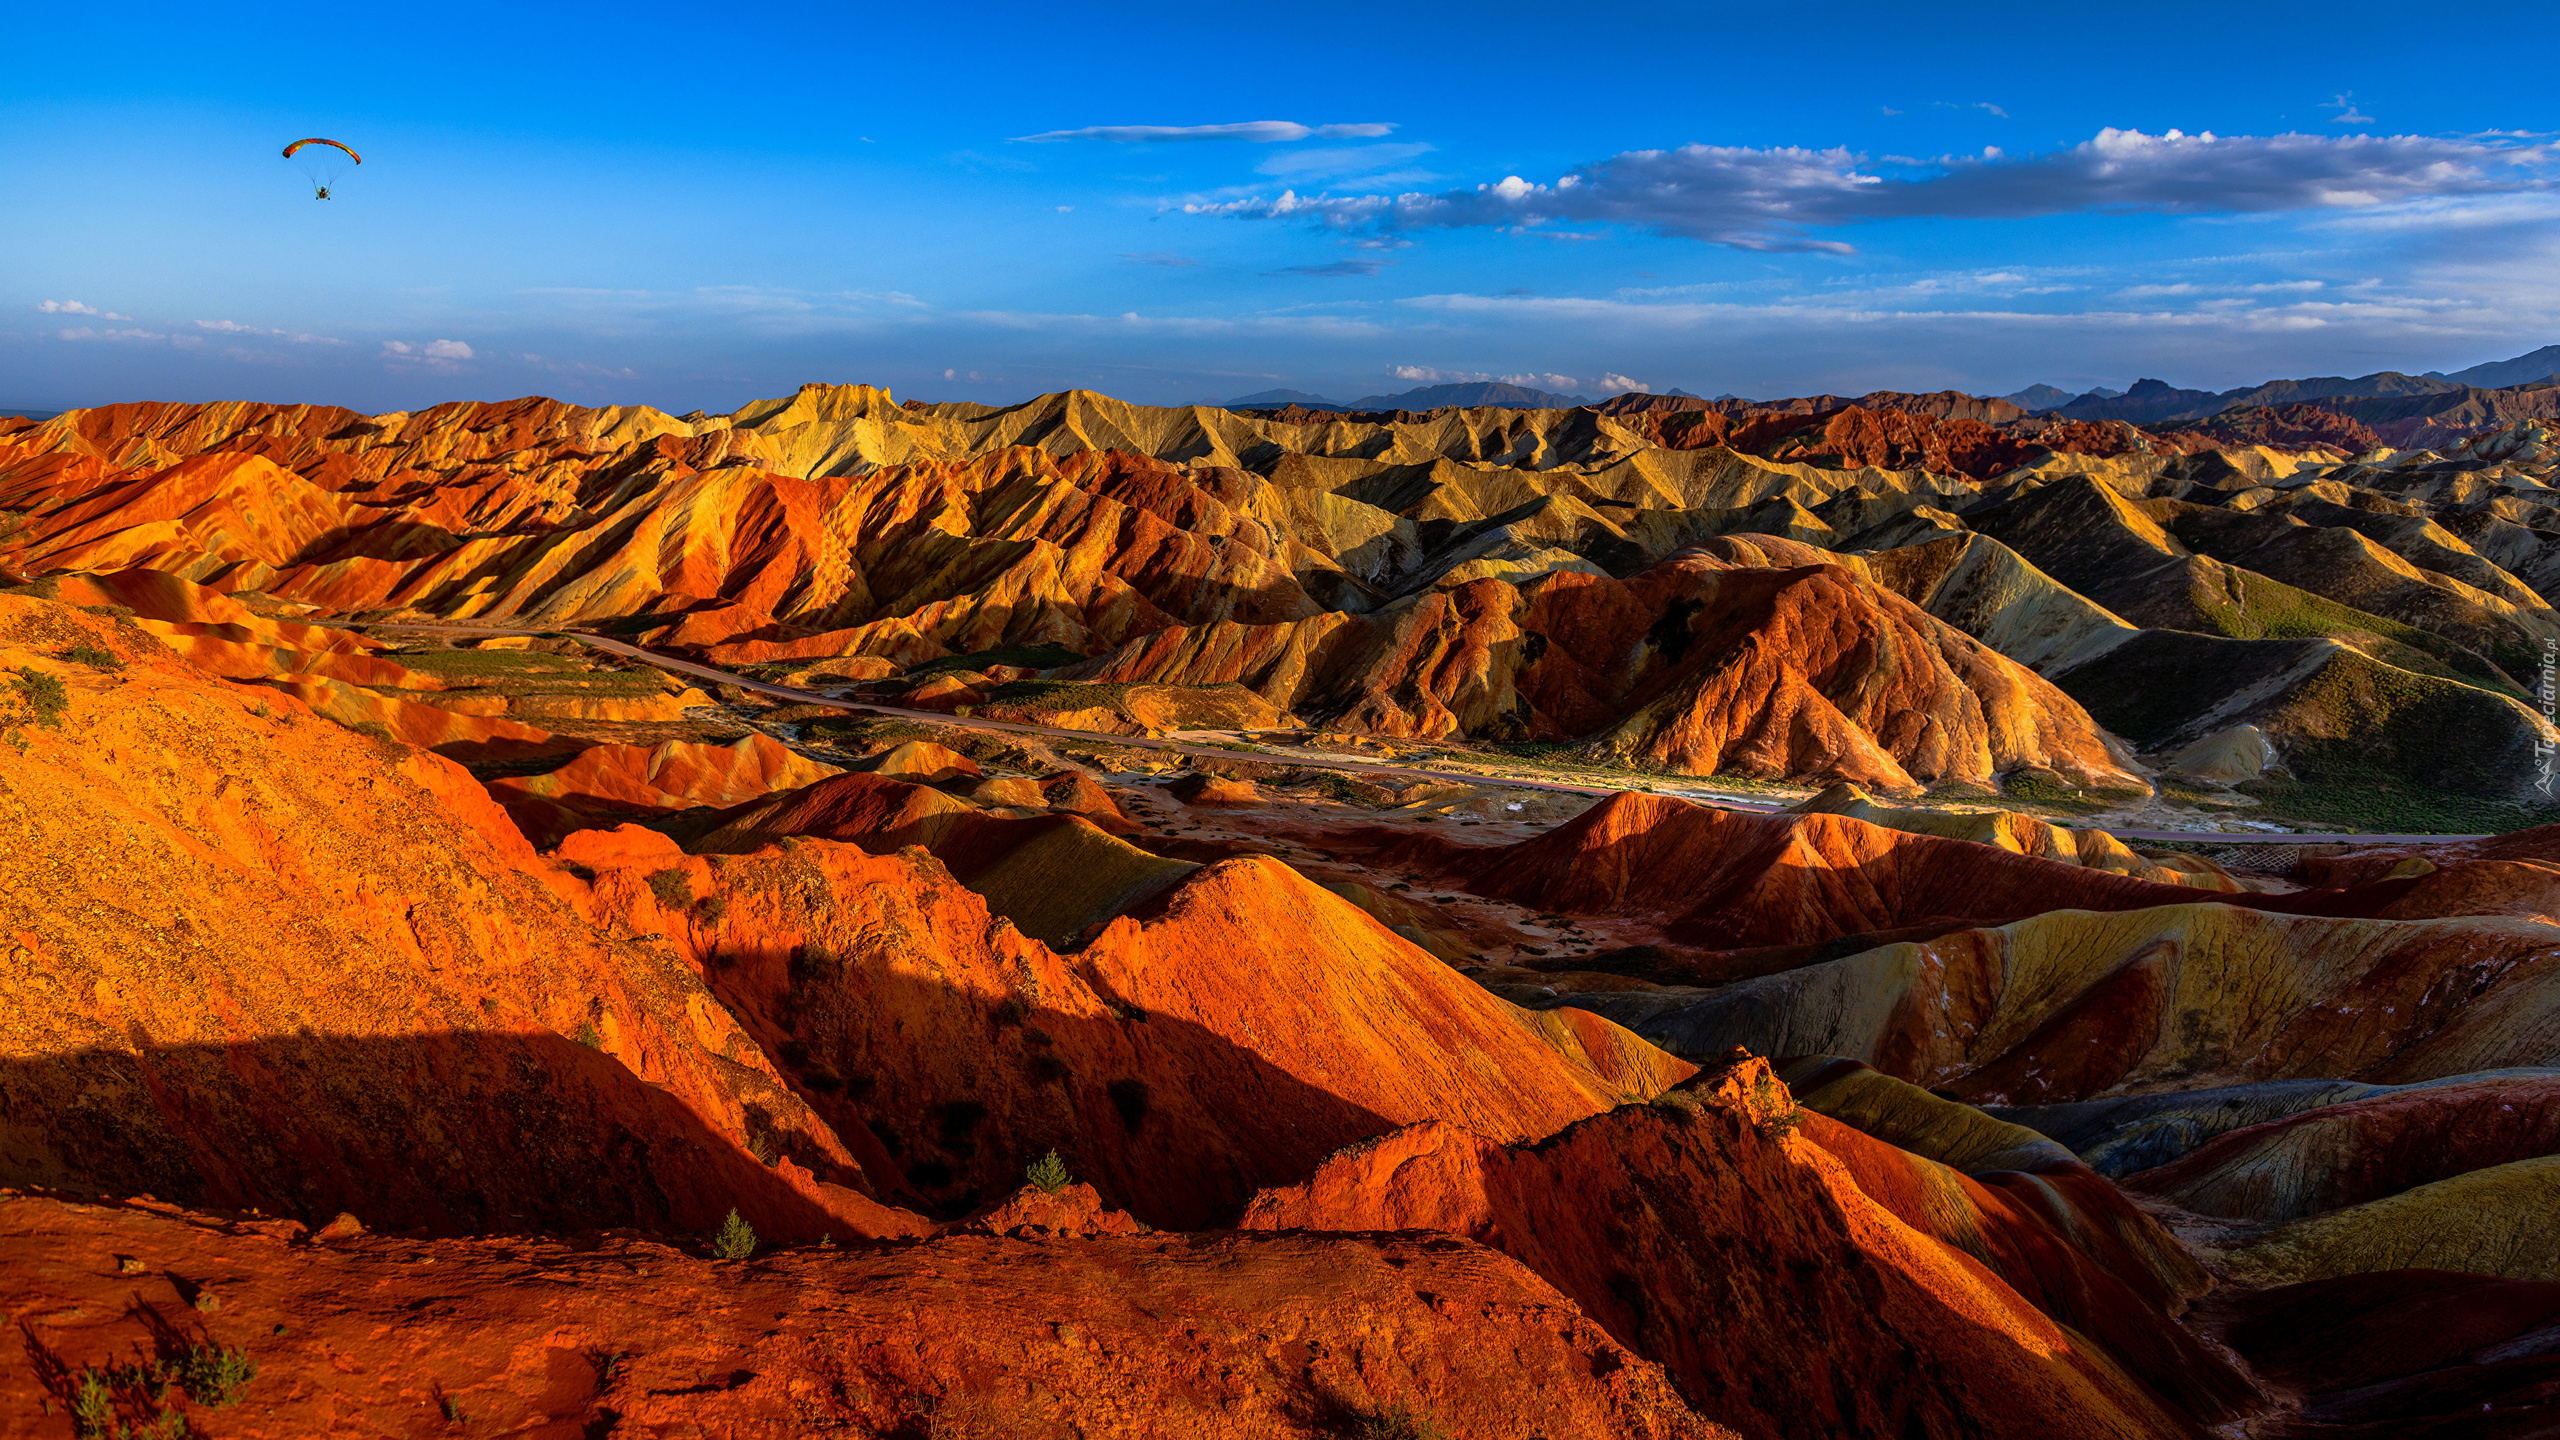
(694, 207)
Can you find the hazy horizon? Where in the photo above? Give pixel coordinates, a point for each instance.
(655, 206)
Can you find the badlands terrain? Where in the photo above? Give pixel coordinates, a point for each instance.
(932, 920)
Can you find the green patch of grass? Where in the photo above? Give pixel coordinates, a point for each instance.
(673, 887)
(2339, 790)
(2272, 610)
(861, 732)
(485, 664)
(1045, 697)
(93, 657)
(2034, 790)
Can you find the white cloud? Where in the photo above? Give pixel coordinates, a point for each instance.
(1259, 132)
(1769, 199)
(1613, 383)
(74, 307)
(442, 356)
(2347, 114)
(1427, 375)
(85, 333)
(294, 337)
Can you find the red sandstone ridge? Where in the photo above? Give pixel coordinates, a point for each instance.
(1723, 879)
(976, 1337)
(1642, 1216)
(1245, 1026)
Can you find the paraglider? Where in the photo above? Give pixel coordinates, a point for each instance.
(323, 161)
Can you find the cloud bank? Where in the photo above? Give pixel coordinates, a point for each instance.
(1773, 199)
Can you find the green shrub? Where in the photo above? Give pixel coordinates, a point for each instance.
(42, 693)
(93, 657)
(1048, 1172)
(215, 1374)
(735, 1239)
(93, 1407)
(673, 887)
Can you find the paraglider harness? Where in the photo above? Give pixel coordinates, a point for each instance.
(322, 193)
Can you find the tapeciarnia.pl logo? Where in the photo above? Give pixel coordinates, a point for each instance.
(2548, 692)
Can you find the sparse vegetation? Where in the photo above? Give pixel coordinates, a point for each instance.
(93, 657)
(608, 1365)
(1048, 1172)
(453, 1411)
(735, 1239)
(42, 692)
(93, 1407)
(673, 887)
(215, 1374)
(589, 1036)
(760, 1145)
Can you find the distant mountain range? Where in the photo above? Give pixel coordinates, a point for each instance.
(2150, 401)
(2046, 397)
(2157, 401)
(25, 412)
(1476, 395)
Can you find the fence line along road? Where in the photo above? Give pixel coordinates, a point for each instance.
(1333, 762)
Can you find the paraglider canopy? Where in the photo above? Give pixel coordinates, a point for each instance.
(323, 161)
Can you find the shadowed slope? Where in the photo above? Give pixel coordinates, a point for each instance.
(1855, 1323)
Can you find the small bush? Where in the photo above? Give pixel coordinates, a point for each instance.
(809, 962)
(215, 1374)
(711, 910)
(674, 889)
(760, 1145)
(589, 1036)
(453, 1411)
(41, 692)
(1048, 1172)
(93, 1407)
(735, 1239)
(93, 657)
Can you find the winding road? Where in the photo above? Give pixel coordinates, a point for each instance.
(1382, 768)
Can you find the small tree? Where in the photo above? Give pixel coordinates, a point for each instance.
(735, 1239)
(42, 693)
(1048, 1172)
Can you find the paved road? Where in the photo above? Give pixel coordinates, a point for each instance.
(1339, 762)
